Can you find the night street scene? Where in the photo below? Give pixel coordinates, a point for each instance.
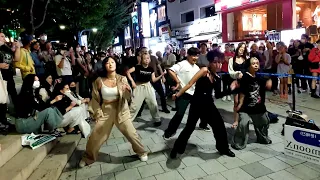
(160, 90)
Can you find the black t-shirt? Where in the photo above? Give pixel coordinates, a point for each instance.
(143, 74)
(6, 56)
(254, 90)
(303, 46)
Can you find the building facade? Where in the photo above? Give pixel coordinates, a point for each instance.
(194, 22)
(251, 19)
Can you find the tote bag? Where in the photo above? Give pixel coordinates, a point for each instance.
(3, 90)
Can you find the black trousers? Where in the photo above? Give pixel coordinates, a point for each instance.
(3, 113)
(226, 82)
(207, 111)
(158, 87)
(181, 104)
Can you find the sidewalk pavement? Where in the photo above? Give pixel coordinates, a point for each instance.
(201, 160)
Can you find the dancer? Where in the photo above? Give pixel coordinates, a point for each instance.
(143, 90)
(109, 106)
(202, 106)
(182, 73)
(236, 68)
(252, 106)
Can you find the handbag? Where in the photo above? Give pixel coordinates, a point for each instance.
(3, 90)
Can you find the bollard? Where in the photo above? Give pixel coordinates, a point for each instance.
(293, 79)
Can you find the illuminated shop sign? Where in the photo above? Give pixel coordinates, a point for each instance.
(135, 23)
(145, 19)
(229, 4)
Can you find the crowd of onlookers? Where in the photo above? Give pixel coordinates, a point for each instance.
(57, 81)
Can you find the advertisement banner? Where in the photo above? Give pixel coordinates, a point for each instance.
(302, 143)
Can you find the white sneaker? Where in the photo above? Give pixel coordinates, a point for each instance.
(144, 158)
(229, 98)
(224, 98)
(82, 164)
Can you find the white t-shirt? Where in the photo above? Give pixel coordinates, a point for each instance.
(66, 70)
(185, 72)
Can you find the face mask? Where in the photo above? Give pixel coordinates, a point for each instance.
(36, 84)
(73, 89)
(291, 43)
(261, 51)
(44, 38)
(78, 49)
(303, 40)
(68, 91)
(231, 49)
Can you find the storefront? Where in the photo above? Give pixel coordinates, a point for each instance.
(307, 15)
(156, 29)
(250, 19)
(206, 30)
(117, 45)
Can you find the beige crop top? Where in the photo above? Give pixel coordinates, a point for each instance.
(109, 93)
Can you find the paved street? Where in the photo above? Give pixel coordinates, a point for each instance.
(201, 160)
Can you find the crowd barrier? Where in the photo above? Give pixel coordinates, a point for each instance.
(282, 75)
(293, 76)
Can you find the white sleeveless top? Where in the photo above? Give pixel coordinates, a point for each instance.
(109, 93)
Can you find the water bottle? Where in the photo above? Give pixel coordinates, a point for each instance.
(311, 121)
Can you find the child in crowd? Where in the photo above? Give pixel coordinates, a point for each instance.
(252, 106)
(283, 59)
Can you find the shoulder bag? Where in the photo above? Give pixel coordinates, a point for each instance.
(3, 90)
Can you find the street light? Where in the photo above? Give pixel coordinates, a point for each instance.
(62, 27)
(81, 32)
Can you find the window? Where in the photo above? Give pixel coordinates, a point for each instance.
(187, 17)
(207, 11)
(161, 13)
(253, 22)
(181, 1)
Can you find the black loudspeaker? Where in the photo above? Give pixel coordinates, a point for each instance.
(296, 119)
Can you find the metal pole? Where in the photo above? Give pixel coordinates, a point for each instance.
(293, 79)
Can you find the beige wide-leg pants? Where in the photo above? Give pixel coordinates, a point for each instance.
(144, 92)
(102, 130)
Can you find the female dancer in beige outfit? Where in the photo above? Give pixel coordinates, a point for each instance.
(109, 106)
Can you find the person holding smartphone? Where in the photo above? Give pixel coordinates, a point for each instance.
(314, 58)
(64, 60)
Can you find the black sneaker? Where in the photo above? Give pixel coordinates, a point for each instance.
(228, 153)
(56, 133)
(157, 124)
(166, 111)
(166, 137)
(174, 109)
(206, 129)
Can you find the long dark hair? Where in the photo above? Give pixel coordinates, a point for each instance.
(245, 52)
(57, 88)
(44, 84)
(104, 71)
(27, 84)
